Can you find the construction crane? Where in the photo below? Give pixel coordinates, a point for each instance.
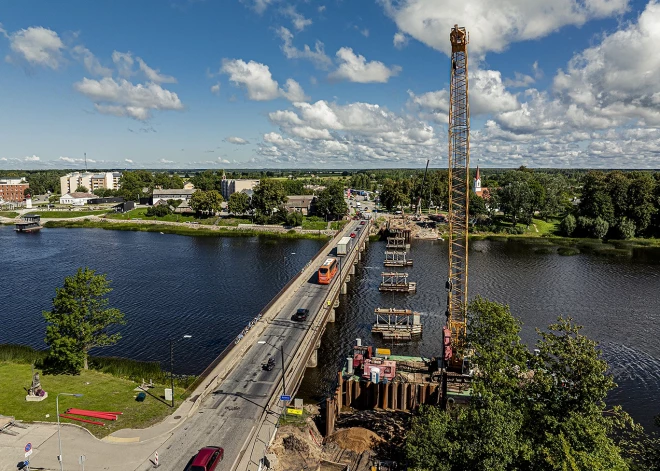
(418, 207)
(459, 196)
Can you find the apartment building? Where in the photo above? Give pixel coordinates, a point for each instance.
(229, 187)
(91, 181)
(13, 189)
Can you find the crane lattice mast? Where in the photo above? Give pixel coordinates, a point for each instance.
(459, 196)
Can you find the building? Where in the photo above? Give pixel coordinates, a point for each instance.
(13, 189)
(124, 207)
(77, 199)
(478, 189)
(304, 204)
(229, 187)
(91, 181)
(188, 186)
(183, 195)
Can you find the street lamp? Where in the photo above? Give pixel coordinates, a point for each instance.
(59, 438)
(263, 342)
(172, 362)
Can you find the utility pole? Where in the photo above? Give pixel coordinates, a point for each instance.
(283, 383)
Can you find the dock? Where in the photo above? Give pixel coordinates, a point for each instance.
(397, 324)
(397, 282)
(396, 259)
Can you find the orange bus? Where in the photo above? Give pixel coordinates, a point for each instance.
(327, 271)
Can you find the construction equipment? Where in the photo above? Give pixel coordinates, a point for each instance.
(459, 195)
(418, 207)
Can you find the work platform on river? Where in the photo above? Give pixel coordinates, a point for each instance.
(397, 324)
(395, 258)
(397, 282)
(397, 243)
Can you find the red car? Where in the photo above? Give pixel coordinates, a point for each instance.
(352, 235)
(207, 459)
(362, 223)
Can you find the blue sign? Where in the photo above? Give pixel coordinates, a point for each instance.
(285, 398)
(28, 447)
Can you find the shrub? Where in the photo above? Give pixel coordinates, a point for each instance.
(158, 211)
(625, 228)
(600, 228)
(568, 225)
(584, 226)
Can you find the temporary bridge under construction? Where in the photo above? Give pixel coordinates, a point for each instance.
(397, 243)
(395, 258)
(395, 281)
(397, 324)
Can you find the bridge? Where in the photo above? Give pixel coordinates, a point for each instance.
(236, 404)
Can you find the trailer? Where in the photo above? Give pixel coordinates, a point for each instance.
(344, 245)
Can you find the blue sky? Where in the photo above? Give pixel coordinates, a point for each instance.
(325, 84)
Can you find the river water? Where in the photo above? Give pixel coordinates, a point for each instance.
(210, 287)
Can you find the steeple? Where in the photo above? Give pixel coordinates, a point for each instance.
(477, 182)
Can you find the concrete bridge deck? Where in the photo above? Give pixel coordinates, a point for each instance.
(237, 405)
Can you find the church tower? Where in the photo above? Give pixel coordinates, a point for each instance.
(477, 183)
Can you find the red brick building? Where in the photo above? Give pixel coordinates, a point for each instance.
(13, 189)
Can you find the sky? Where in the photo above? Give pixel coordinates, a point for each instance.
(313, 84)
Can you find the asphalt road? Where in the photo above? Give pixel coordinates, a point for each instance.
(228, 415)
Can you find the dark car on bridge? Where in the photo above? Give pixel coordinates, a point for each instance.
(300, 315)
(207, 459)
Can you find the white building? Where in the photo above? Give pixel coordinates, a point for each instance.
(91, 181)
(229, 187)
(76, 199)
(164, 195)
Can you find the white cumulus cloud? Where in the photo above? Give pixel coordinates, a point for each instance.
(123, 98)
(128, 161)
(236, 140)
(215, 89)
(355, 68)
(90, 61)
(317, 55)
(258, 81)
(33, 158)
(38, 46)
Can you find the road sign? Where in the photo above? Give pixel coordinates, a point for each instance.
(28, 447)
(294, 411)
(285, 398)
(156, 459)
(28, 453)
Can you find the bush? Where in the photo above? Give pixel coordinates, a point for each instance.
(294, 219)
(584, 226)
(568, 225)
(600, 228)
(625, 228)
(158, 211)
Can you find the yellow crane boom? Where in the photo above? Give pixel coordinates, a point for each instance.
(459, 198)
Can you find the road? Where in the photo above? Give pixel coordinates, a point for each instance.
(227, 416)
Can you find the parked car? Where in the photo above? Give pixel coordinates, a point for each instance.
(300, 315)
(207, 459)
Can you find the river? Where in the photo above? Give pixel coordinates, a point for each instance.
(208, 287)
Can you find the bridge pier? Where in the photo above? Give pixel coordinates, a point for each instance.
(352, 270)
(313, 361)
(331, 315)
(344, 288)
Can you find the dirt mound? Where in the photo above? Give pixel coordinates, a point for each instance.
(293, 443)
(357, 439)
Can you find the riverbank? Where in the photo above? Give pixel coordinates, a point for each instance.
(167, 227)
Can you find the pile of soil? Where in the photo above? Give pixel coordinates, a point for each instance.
(293, 443)
(356, 439)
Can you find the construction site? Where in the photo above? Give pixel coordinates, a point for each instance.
(361, 425)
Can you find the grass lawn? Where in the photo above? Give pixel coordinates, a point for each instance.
(68, 214)
(8, 214)
(100, 391)
(314, 223)
(233, 221)
(549, 227)
(141, 213)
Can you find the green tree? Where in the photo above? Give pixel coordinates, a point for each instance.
(516, 201)
(80, 320)
(641, 197)
(596, 200)
(268, 195)
(477, 205)
(600, 228)
(294, 219)
(625, 228)
(392, 195)
(159, 210)
(239, 203)
(567, 225)
(330, 201)
(81, 189)
(206, 201)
